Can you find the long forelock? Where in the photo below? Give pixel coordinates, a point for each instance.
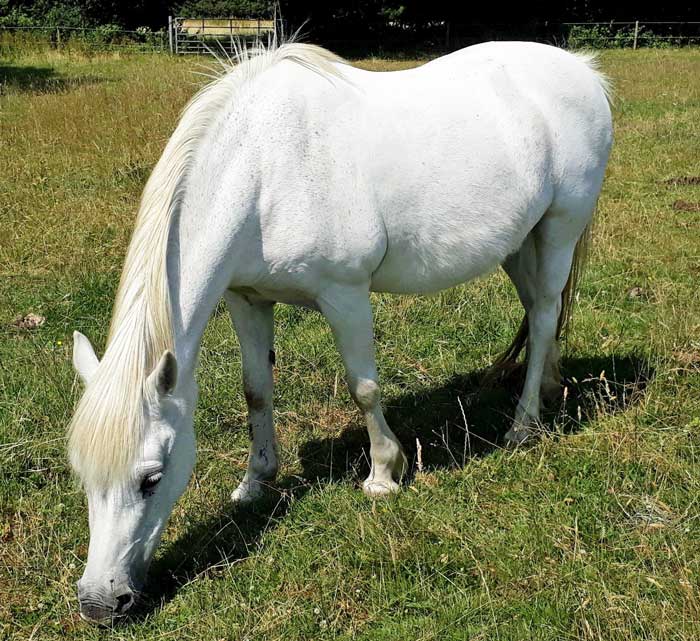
(108, 426)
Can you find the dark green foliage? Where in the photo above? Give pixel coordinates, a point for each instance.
(339, 18)
(226, 8)
(84, 13)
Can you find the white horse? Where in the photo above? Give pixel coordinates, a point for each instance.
(297, 178)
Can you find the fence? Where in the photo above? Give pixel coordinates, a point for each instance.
(596, 35)
(200, 35)
(632, 34)
(185, 35)
(105, 38)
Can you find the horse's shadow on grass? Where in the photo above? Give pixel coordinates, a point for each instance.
(446, 425)
(440, 427)
(40, 79)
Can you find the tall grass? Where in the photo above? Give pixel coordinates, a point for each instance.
(22, 41)
(592, 533)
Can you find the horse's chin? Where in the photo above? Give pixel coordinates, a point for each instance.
(106, 621)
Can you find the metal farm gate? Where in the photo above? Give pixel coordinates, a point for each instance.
(202, 35)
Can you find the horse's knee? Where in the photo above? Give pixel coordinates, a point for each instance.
(543, 319)
(365, 392)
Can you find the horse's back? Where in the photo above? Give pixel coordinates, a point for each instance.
(420, 179)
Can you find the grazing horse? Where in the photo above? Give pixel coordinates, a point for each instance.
(299, 179)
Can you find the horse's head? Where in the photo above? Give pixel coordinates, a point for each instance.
(129, 508)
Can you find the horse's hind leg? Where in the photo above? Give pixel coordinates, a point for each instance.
(254, 326)
(349, 314)
(555, 238)
(521, 267)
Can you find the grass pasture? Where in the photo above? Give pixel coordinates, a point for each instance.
(593, 533)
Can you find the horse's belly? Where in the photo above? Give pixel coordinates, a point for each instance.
(456, 195)
(409, 270)
(451, 234)
(428, 260)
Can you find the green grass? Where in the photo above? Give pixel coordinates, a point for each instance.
(593, 533)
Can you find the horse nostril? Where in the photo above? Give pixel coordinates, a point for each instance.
(124, 602)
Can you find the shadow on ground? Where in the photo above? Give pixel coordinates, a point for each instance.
(435, 418)
(213, 545)
(39, 79)
(460, 419)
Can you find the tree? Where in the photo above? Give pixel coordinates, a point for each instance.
(226, 8)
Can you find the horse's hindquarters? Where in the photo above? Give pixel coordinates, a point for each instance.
(495, 138)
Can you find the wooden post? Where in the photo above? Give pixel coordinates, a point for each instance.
(170, 34)
(636, 33)
(58, 37)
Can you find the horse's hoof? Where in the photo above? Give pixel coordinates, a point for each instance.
(377, 489)
(517, 435)
(247, 493)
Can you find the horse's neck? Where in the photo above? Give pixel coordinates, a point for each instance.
(195, 288)
(201, 263)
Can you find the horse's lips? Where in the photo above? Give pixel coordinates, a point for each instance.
(93, 621)
(102, 623)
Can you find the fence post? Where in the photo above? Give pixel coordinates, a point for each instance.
(636, 33)
(447, 34)
(58, 38)
(170, 34)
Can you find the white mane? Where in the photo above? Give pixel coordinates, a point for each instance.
(108, 425)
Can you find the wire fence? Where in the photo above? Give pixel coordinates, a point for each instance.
(187, 36)
(106, 38)
(631, 34)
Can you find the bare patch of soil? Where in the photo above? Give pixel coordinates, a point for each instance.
(684, 205)
(682, 181)
(28, 321)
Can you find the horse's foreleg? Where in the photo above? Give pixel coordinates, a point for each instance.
(253, 323)
(349, 314)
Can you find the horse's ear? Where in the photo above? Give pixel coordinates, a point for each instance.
(84, 359)
(164, 376)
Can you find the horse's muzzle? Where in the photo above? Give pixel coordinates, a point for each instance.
(98, 607)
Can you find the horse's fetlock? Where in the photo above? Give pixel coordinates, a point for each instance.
(387, 453)
(263, 464)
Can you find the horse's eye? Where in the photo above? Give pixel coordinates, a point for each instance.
(149, 482)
